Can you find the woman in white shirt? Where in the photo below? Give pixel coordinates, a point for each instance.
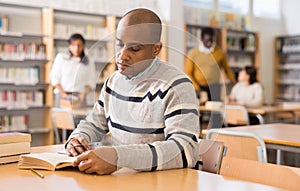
(72, 73)
(248, 91)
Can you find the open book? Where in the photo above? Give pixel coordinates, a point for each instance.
(47, 161)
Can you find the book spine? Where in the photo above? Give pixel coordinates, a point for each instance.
(13, 137)
(9, 149)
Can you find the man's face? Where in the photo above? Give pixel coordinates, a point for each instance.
(207, 40)
(135, 49)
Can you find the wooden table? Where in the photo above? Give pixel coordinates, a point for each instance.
(279, 136)
(262, 112)
(267, 110)
(14, 179)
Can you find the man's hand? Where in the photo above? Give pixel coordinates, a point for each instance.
(76, 146)
(101, 161)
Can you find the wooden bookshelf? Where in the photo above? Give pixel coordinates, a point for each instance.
(287, 68)
(43, 25)
(24, 59)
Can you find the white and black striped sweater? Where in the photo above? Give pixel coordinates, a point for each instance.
(153, 120)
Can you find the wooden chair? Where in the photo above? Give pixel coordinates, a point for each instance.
(264, 173)
(235, 115)
(240, 144)
(210, 155)
(62, 118)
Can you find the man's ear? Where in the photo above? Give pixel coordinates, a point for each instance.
(156, 49)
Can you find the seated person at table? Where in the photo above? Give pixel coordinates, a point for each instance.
(248, 91)
(148, 106)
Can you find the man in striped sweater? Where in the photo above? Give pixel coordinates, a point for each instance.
(149, 108)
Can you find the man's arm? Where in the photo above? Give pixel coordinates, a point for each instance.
(92, 129)
(189, 68)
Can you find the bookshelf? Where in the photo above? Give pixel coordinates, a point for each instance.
(23, 84)
(49, 30)
(242, 47)
(287, 68)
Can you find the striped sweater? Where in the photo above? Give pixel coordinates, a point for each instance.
(153, 120)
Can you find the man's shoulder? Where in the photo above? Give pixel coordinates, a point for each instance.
(168, 68)
(194, 50)
(219, 50)
(169, 72)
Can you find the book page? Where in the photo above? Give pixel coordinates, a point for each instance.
(48, 161)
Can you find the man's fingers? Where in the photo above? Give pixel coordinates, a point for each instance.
(77, 146)
(84, 143)
(80, 160)
(71, 151)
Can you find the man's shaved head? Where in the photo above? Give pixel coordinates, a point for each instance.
(139, 16)
(143, 16)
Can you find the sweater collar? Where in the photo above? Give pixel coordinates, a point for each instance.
(143, 72)
(205, 50)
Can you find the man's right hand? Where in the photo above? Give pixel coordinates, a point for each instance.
(76, 146)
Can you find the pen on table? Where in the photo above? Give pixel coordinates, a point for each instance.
(37, 173)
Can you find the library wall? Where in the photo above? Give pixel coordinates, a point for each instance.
(291, 17)
(115, 7)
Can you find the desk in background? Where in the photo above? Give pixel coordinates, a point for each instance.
(278, 136)
(263, 112)
(71, 179)
(80, 113)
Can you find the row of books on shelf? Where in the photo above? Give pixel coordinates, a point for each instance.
(290, 92)
(291, 48)
(288, 45)
(290, 76)
(290, 65)
(246, 43)
(13, 123)
(11, 99)
(13, 145)
(19, 75)
(89, 31)
(21, 51)
(239, 60)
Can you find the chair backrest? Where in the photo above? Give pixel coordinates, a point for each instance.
(236, 115)
(210, 155)
(264, 173)
(240, 144)
(62, 118)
